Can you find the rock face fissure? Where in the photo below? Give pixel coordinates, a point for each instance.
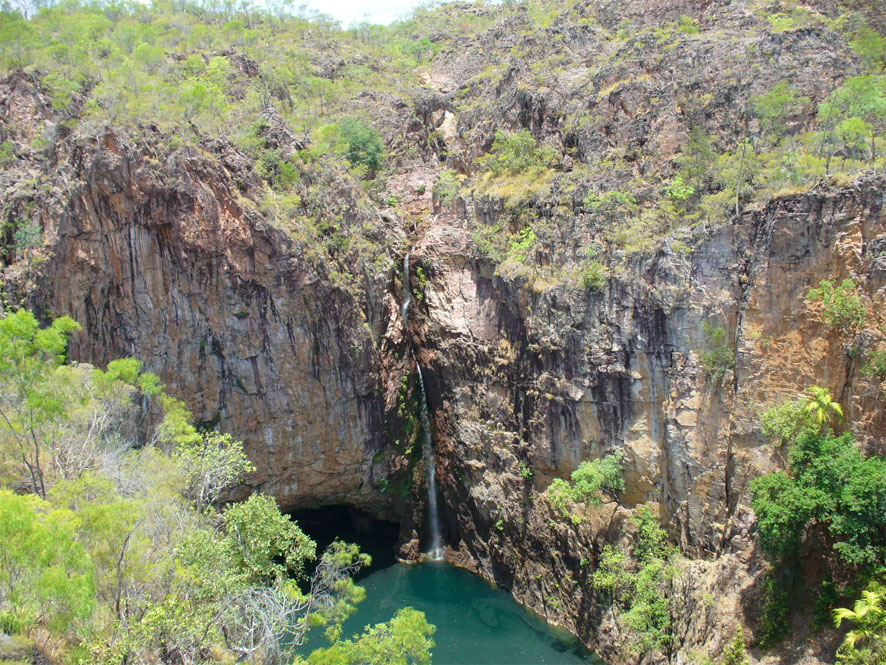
(435, 549)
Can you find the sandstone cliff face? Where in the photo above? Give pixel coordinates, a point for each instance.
(545, 380)
(163, 253)
(164, 262)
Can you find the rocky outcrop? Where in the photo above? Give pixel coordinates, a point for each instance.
(164, 261)
(539, 381)
(293, 340)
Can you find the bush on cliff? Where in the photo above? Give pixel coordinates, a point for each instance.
(831, 500)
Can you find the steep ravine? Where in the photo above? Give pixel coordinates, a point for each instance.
(163, 260)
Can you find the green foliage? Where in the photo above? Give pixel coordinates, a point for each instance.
(875, 367)
(821, 407)
(211, 463)
(831, 492)
(679, 189)
(263, 544)
(641, 584)
(831, 483)
(856, 108)
(775, 106)
(788, 422)
(45, 574)
(615, 200)
(652, 539)
(31, 403)
(361, 144)
(407, 639)
(7, 152)
(526, 471)
(865, 644)
(688, 25)
(736, 652)
(841, 305)
(594, 276)
(776, 606)
(589, 483)
(871, 48)
(446, 187)
(517, 154)
(718, 358)
(126, 560)
(521, 244)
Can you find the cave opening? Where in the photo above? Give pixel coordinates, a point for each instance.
(376, 537)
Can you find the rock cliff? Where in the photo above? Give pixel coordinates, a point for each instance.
(168, 251)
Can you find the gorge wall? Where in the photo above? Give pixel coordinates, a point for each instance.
(160, 261)
(285, 329)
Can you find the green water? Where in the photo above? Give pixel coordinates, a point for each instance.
(477, 623)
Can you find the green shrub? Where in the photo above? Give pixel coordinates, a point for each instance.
(718, 358)
(736, 652)
(875, 367)
(776, 607)
(688, 24)
(517, 154)
(841, 305)
(360, 143)
(641, 584)
(525, 471)
(588, 484)
(594, 275)
(446, 187)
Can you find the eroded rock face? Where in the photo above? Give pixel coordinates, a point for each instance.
(541, 381)
(164, 262)
(163, 256)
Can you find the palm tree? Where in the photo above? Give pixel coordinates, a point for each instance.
(822, 406)
(869, 616)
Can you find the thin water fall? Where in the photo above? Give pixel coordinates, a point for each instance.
(435, 550)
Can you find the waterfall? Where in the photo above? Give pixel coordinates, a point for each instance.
(407, 293)
(436, 547)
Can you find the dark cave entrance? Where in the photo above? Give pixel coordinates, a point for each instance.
(377, 538)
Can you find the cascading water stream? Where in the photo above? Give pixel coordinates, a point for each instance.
(407, 293)
(435, 551)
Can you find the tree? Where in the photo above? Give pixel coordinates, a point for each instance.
(404, 640)
(212, 463)
(517, 154)
(736, 652)
(865, 644)
(861, 97)
(588, 484)
(46, 576)
(645, 585)
(841, 305)
(775, 106)
(29, 402)
(821, 406)
(361, 144)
